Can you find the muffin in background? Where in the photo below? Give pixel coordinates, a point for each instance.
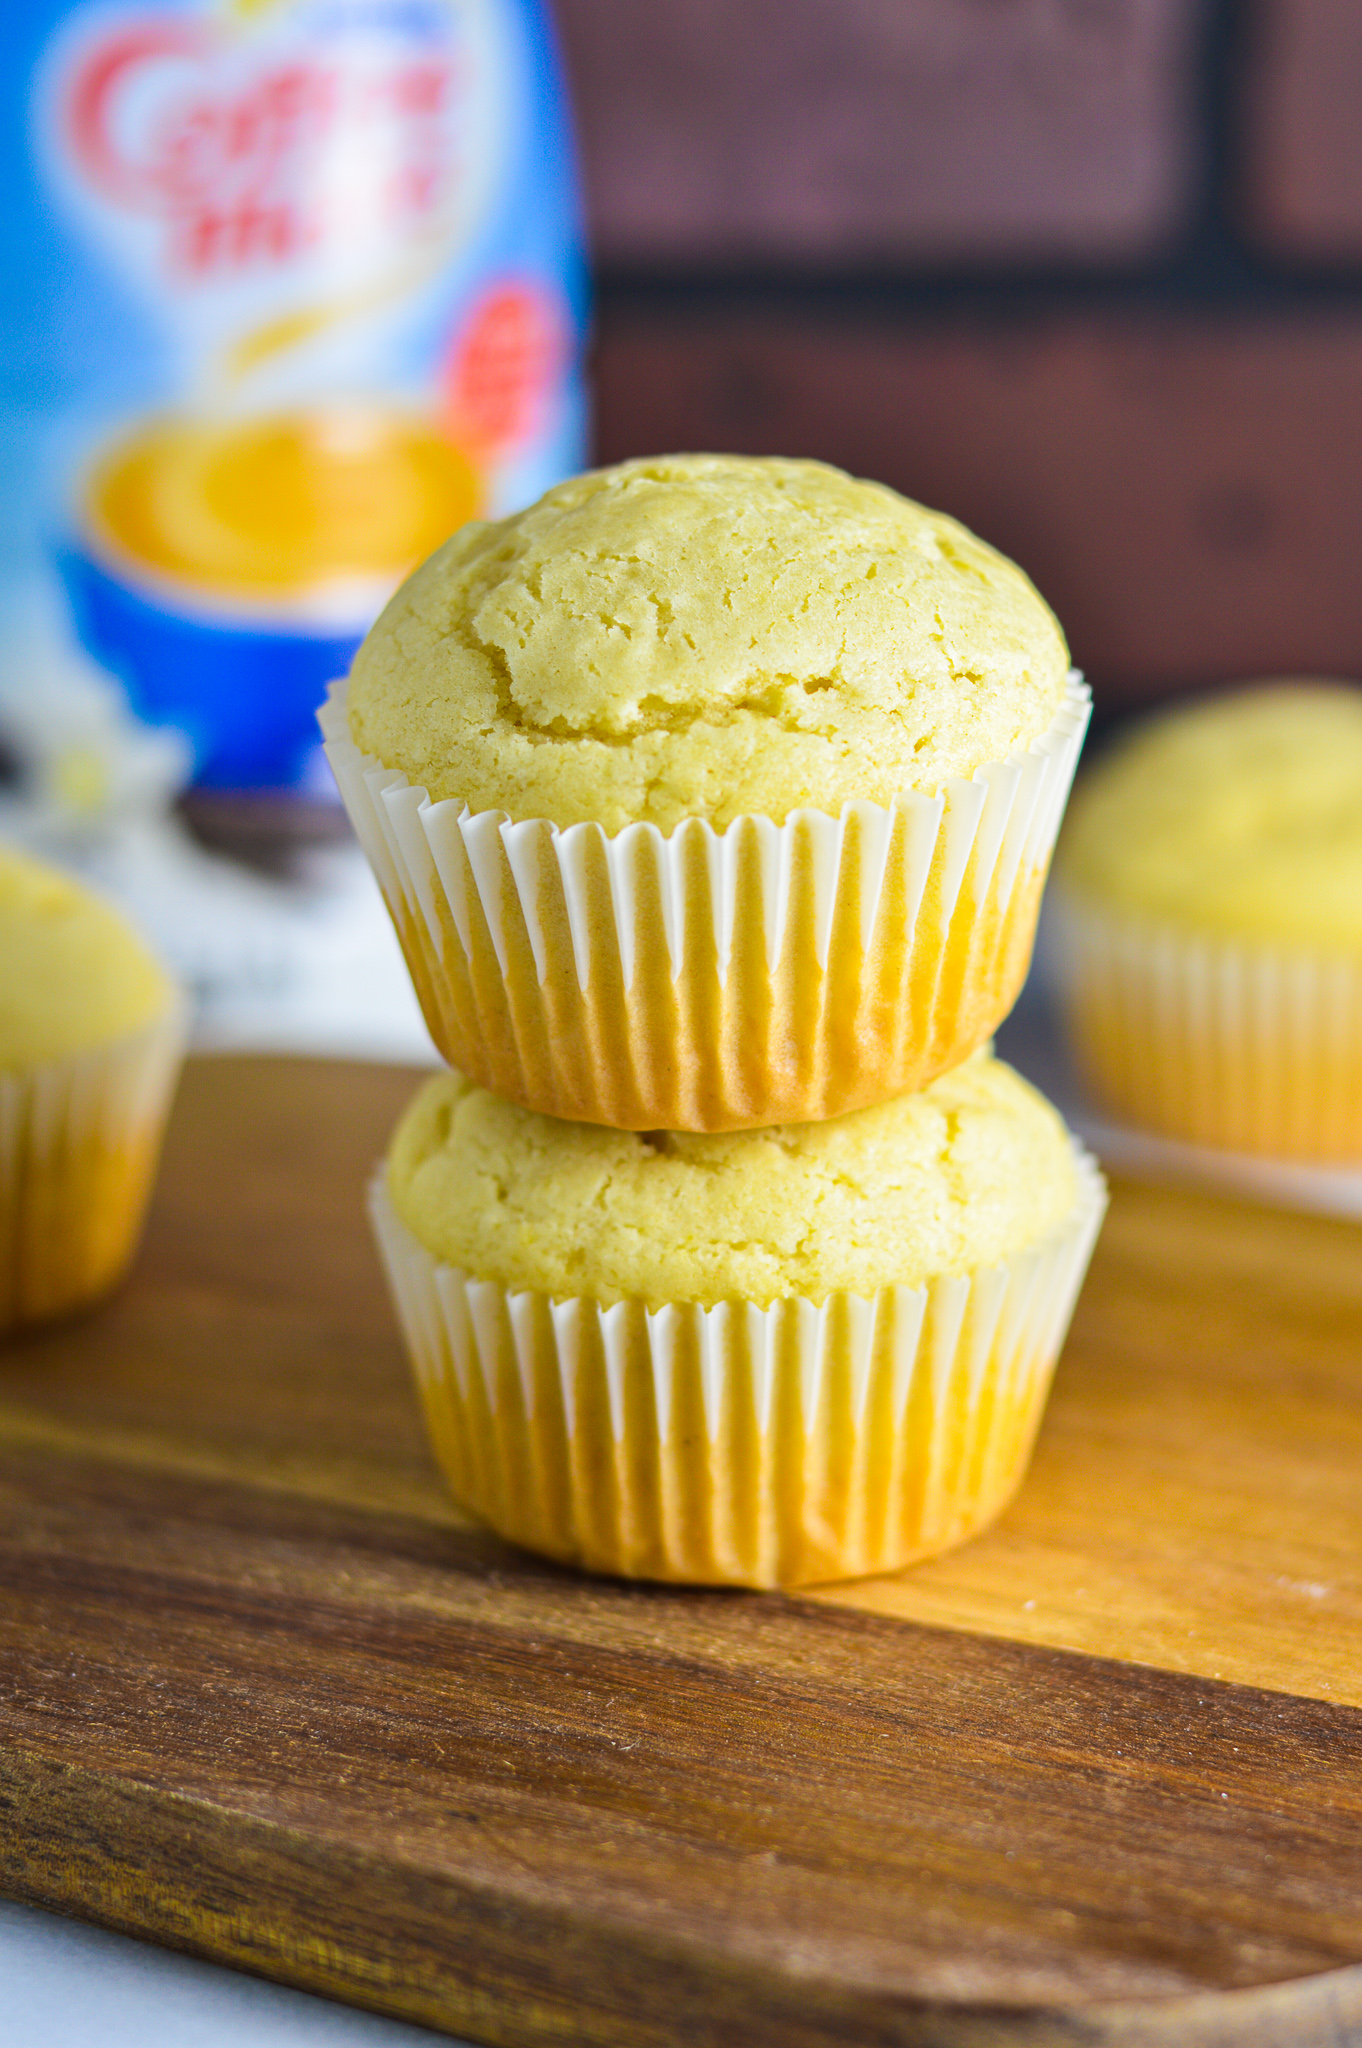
(91, 1034)
(1207, 915)
(711, 792)
(758, 1358)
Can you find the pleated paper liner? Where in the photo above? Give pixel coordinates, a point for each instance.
(740, 1445)
(80, 1139)
(1213, 1042)
(713, 981)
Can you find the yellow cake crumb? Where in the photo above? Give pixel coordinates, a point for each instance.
(705, 635)
(955, 1178)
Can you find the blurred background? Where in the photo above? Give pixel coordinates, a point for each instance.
(1085, 273)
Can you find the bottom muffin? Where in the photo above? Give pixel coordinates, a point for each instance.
(760, 1358)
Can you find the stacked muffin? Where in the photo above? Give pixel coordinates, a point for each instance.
(713, 800)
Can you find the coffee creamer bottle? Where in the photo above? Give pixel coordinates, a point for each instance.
(293, 288)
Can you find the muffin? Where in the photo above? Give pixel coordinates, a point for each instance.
(711, 792)
(755, 1358)
(91, 1032)
(1208, 924)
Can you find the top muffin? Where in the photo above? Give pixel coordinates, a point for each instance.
(1240, 818)
(703, 635)
(73, 975)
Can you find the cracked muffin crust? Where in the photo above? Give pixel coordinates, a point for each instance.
(705, 635)
(955, 1178)
(711, 792)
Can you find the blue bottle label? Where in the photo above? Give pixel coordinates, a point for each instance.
(318, 301)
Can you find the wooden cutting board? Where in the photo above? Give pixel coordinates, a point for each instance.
(265, 1696)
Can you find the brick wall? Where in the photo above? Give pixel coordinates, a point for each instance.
(1184, 488)
(1302, 185)
(1087, 273)
(832, 132)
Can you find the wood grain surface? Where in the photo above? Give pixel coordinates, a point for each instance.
(265, 1695)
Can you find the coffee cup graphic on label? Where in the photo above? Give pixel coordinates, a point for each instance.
(226, 568)
(319, 513)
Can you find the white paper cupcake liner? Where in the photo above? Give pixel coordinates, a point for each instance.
(710, 980)
(79, 1142)
(1214, 1042)
(740, 1445)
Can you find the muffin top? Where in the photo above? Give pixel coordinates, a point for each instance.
(957, 1177)
(1241, 818)
(705, 635)
(73, 975)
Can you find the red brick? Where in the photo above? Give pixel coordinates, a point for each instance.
(1303, 129)
(873, 132)
(1187, 493)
